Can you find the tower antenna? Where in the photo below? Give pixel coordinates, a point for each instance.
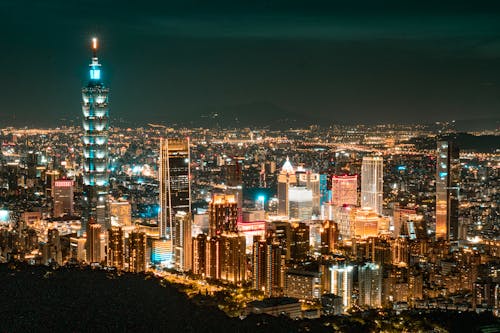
(94, 47)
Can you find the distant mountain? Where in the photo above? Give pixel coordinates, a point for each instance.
(464, 141)
(469, 125)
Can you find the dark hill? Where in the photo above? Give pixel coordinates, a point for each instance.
(35, 299)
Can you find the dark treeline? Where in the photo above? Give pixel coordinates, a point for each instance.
(75, 299)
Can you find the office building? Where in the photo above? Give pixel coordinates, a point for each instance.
(93, 246)
(299, 245)
(345, 190)
(174, 176)
(286, 179)
(137, 252)
(300, 203)
(447, 190)
(233, 259)
(329, 236)
(268, 265)
(199, 254)
(63, 197)
(311, 181)
(370, 285)
(115, 247)
(223, 214)
(372, 181)
(341, 283)
(182, 241)
(234, 185)
(121, 213)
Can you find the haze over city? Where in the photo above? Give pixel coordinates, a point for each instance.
(315, 61)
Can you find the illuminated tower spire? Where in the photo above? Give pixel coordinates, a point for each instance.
(95, 144)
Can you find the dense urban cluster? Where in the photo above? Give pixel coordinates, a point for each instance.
(302, 222)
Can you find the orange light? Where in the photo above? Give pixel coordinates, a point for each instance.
(94, 43)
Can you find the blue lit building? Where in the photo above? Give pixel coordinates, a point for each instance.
(95, 145)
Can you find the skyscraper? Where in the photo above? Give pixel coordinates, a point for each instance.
(286, 178)
(341, 281)
(232, 257)
(372, 181)
(95, 145)
(370, 285)
(234, 185)
(182, 241)
(137, 252)
(223, 215)
(447, 189)
(93, 245)
(63, 197)
(299, 246)
(268, 264)
(345, 190)
(115, 247)
(199, 254)
(175, 190)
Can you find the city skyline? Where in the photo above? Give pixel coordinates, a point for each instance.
(265, 214)
(324, 62)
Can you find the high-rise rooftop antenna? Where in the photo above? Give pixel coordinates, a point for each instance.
(94, 47)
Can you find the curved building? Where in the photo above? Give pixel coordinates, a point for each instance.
(95, 144)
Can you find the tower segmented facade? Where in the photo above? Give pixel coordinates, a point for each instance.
(95, 110)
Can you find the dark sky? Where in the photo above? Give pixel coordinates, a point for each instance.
(357, 61)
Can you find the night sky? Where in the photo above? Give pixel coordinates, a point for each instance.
(363, 61)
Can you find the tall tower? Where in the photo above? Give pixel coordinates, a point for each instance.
(286, 178)
(175, 190)
(372, 181)
(95, 145)
(447, 189)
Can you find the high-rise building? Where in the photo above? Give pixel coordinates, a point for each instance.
(299, 246)
(329, 236)
(311, 181)
(268, 264)
(199, 254)
(63, 197)
(345, 190)
(223, 214)
(233, 260)
(367, 223)
(234, 185)
(93, 246)
(447, 190)
(115, 247)
(372, 181)
(175, 189)
(370, 285)
(213, 256)
(121, 213)
(282, 232)
(300, 203)
(182, 241)
(95, 145)
(286, 178)
(341, 283)
(137, 252)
